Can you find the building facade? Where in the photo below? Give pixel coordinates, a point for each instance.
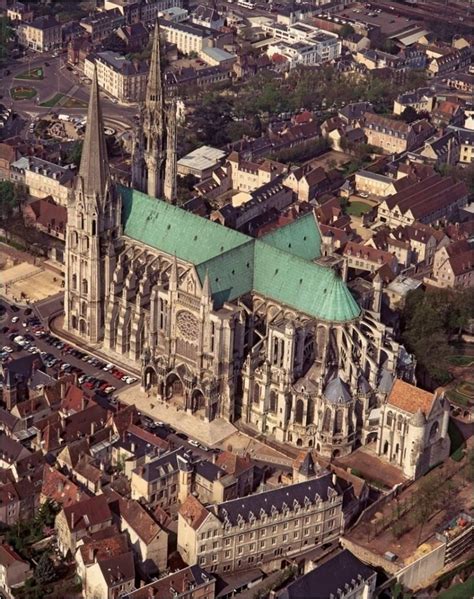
(265, 527)
(42, 34)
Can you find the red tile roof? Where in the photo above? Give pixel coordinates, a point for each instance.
(193, 512)
(60, 488)
(410, 398)
(83, 514)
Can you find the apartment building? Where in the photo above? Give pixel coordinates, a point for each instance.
(428, 201)
(453, 266)
(43, 178)
(100, 25)
(420, 99)
(264, 527)
(123, 79)
(466, 144)
(395, 136)
(41, 35)
(187, 38)
(169, 479)
(19, 12)
(144, 11)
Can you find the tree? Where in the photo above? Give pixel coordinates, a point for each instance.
(426, 503)
(45, 571)
(8, 199)
(346, 30)
(409, 115)
(74, 154)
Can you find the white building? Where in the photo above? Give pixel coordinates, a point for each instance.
(413, 428)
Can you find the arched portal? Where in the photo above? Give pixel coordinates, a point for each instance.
(150, 378)
(175, 391)
(198, 401)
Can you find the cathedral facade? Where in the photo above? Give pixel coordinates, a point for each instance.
(220, 324)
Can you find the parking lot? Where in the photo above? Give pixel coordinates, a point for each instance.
(95, 377)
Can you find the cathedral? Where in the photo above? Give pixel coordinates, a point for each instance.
(219, 323)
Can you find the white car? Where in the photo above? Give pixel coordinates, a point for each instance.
(363, 194)
(108, 367)
(129, 379)
(193, 443)
(7, 348)
(15, 319)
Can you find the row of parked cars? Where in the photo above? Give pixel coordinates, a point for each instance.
(88, 381)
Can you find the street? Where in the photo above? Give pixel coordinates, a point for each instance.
(59, 78)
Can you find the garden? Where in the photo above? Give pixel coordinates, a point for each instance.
(357, 208)
(23, 92)
(32, 74)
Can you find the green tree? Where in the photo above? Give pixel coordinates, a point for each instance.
(45, 571)
(8, 199)
(346, 30)
(409, 115)
(74, 154)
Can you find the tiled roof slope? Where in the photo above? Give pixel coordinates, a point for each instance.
(237, 264)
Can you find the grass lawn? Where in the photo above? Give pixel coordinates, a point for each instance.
(464, 590)
(460, 360)
(34, 74)
(73, 103)
(53, 101)
(357, 208)
(23, 93)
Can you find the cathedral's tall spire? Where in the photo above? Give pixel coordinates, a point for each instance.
(154, 89)
(94, 168)
(169, 188)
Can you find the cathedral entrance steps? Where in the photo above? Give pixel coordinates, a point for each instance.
(209, 433)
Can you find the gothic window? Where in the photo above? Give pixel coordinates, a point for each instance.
(310, 418)
(128, 334)
(256, 393)
(81, 220)
(74, 322)
(327, 419)
(213, 337)
(83, 309)
(299, 411)
(273, 401)
(74, 281)
(389, 419)
(85, 286)
(94, 227)
(163, 309)
(74, 239)
(82, 327)
(400, 423)
(339, 420)
(275, 350)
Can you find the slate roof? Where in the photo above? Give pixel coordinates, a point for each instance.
(329, 579)
(237, 264)
(336, 392)
(276, 497)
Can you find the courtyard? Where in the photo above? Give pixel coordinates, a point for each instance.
(26, 281)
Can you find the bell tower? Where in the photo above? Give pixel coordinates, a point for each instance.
(93, 223)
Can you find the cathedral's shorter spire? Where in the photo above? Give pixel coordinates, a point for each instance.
(94, 169)
(154, 89)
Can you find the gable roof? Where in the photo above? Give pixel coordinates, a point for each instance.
(237, 264)
(193, 512)
(83, 514)
(409, 398)
(330, 579)
(139, 520)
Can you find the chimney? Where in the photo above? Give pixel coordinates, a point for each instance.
(72, 521)
(334, 479)
(92, 428)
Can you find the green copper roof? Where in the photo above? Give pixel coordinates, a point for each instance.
(301, 238)
(173, 230)
(309, 287)
(237, 264)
